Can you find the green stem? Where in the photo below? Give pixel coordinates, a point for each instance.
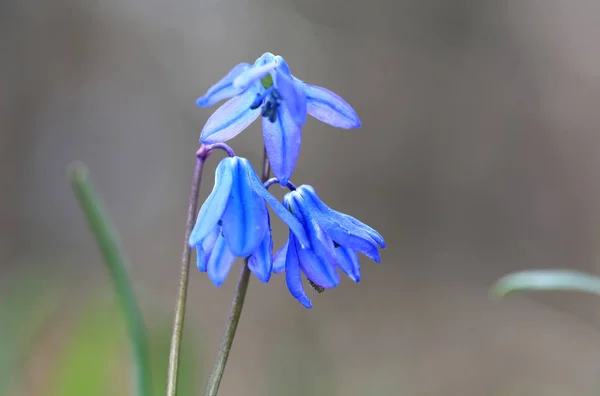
(116, 264)
(214, 379)
(172, 373)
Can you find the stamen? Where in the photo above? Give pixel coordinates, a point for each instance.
(318, 289)
(260, 98)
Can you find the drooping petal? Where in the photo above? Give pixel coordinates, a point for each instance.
(261, 260)
(317, 263)
(292, 94)
(347, 260)
(293, 277)
(321, 243)
(245, 218)
(201, 260)
(205, 248)
(282, 140)
(279, 258)
(372, 233)
(219, 262)
(330, 108)
(339, 228)
(223, 89)
(231, 118)
(284, 214)
(214, 206)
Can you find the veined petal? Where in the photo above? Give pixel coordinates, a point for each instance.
(282, 140)
(261, 260)
(371, 231)
(330, 108)
(347, 260)
(245, 218)
(223, 89)
(231, 118)
(293, 223)
(339, 228)
(316, 263)
(219, 262)
(214, 206)
(292, 94)
(279, 258)
(321, 243)
(293, 277)
(205, 248)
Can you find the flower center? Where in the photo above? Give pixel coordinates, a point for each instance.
(267, 81)
(270, 100)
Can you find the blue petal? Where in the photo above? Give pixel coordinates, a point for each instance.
(347, 260)
(220, 262)
(321, 243)
(245, 218)
(282, 140)
(205, 248)
(279, 259)
(293, 278)
(214, 206)
(341, 230)
(201, 260)
(284, 214)
(231, 118)
(292, 94)
(252, 75)
(283, 65)
(223, 89)
(372, 233)
(330, 108)
(317, 262)
(261, 261)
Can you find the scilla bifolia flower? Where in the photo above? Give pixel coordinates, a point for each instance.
(269, 89)
(335, 238)
(234, 222)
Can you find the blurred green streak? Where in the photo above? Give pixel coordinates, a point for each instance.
(93, 361)
(116, 265)
(546, 280)
(93, 351)
(23, 315)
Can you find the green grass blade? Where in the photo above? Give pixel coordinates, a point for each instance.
(116, 264)
(546, 280)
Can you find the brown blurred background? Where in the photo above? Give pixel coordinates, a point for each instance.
(477, 157)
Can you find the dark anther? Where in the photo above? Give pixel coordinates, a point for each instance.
(257, 102)
(220, 222)
(336, 245)
(318, 289)
(273, 115)
(267, 108)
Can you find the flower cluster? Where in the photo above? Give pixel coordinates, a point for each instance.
(234, 220)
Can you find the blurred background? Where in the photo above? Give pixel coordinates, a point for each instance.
(477, 157)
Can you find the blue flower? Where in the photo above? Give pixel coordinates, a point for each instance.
(335, 238)
(234, 222)
(268, 88)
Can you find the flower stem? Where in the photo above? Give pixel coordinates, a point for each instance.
(116, 264)
(214, 379)
(180, 305)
